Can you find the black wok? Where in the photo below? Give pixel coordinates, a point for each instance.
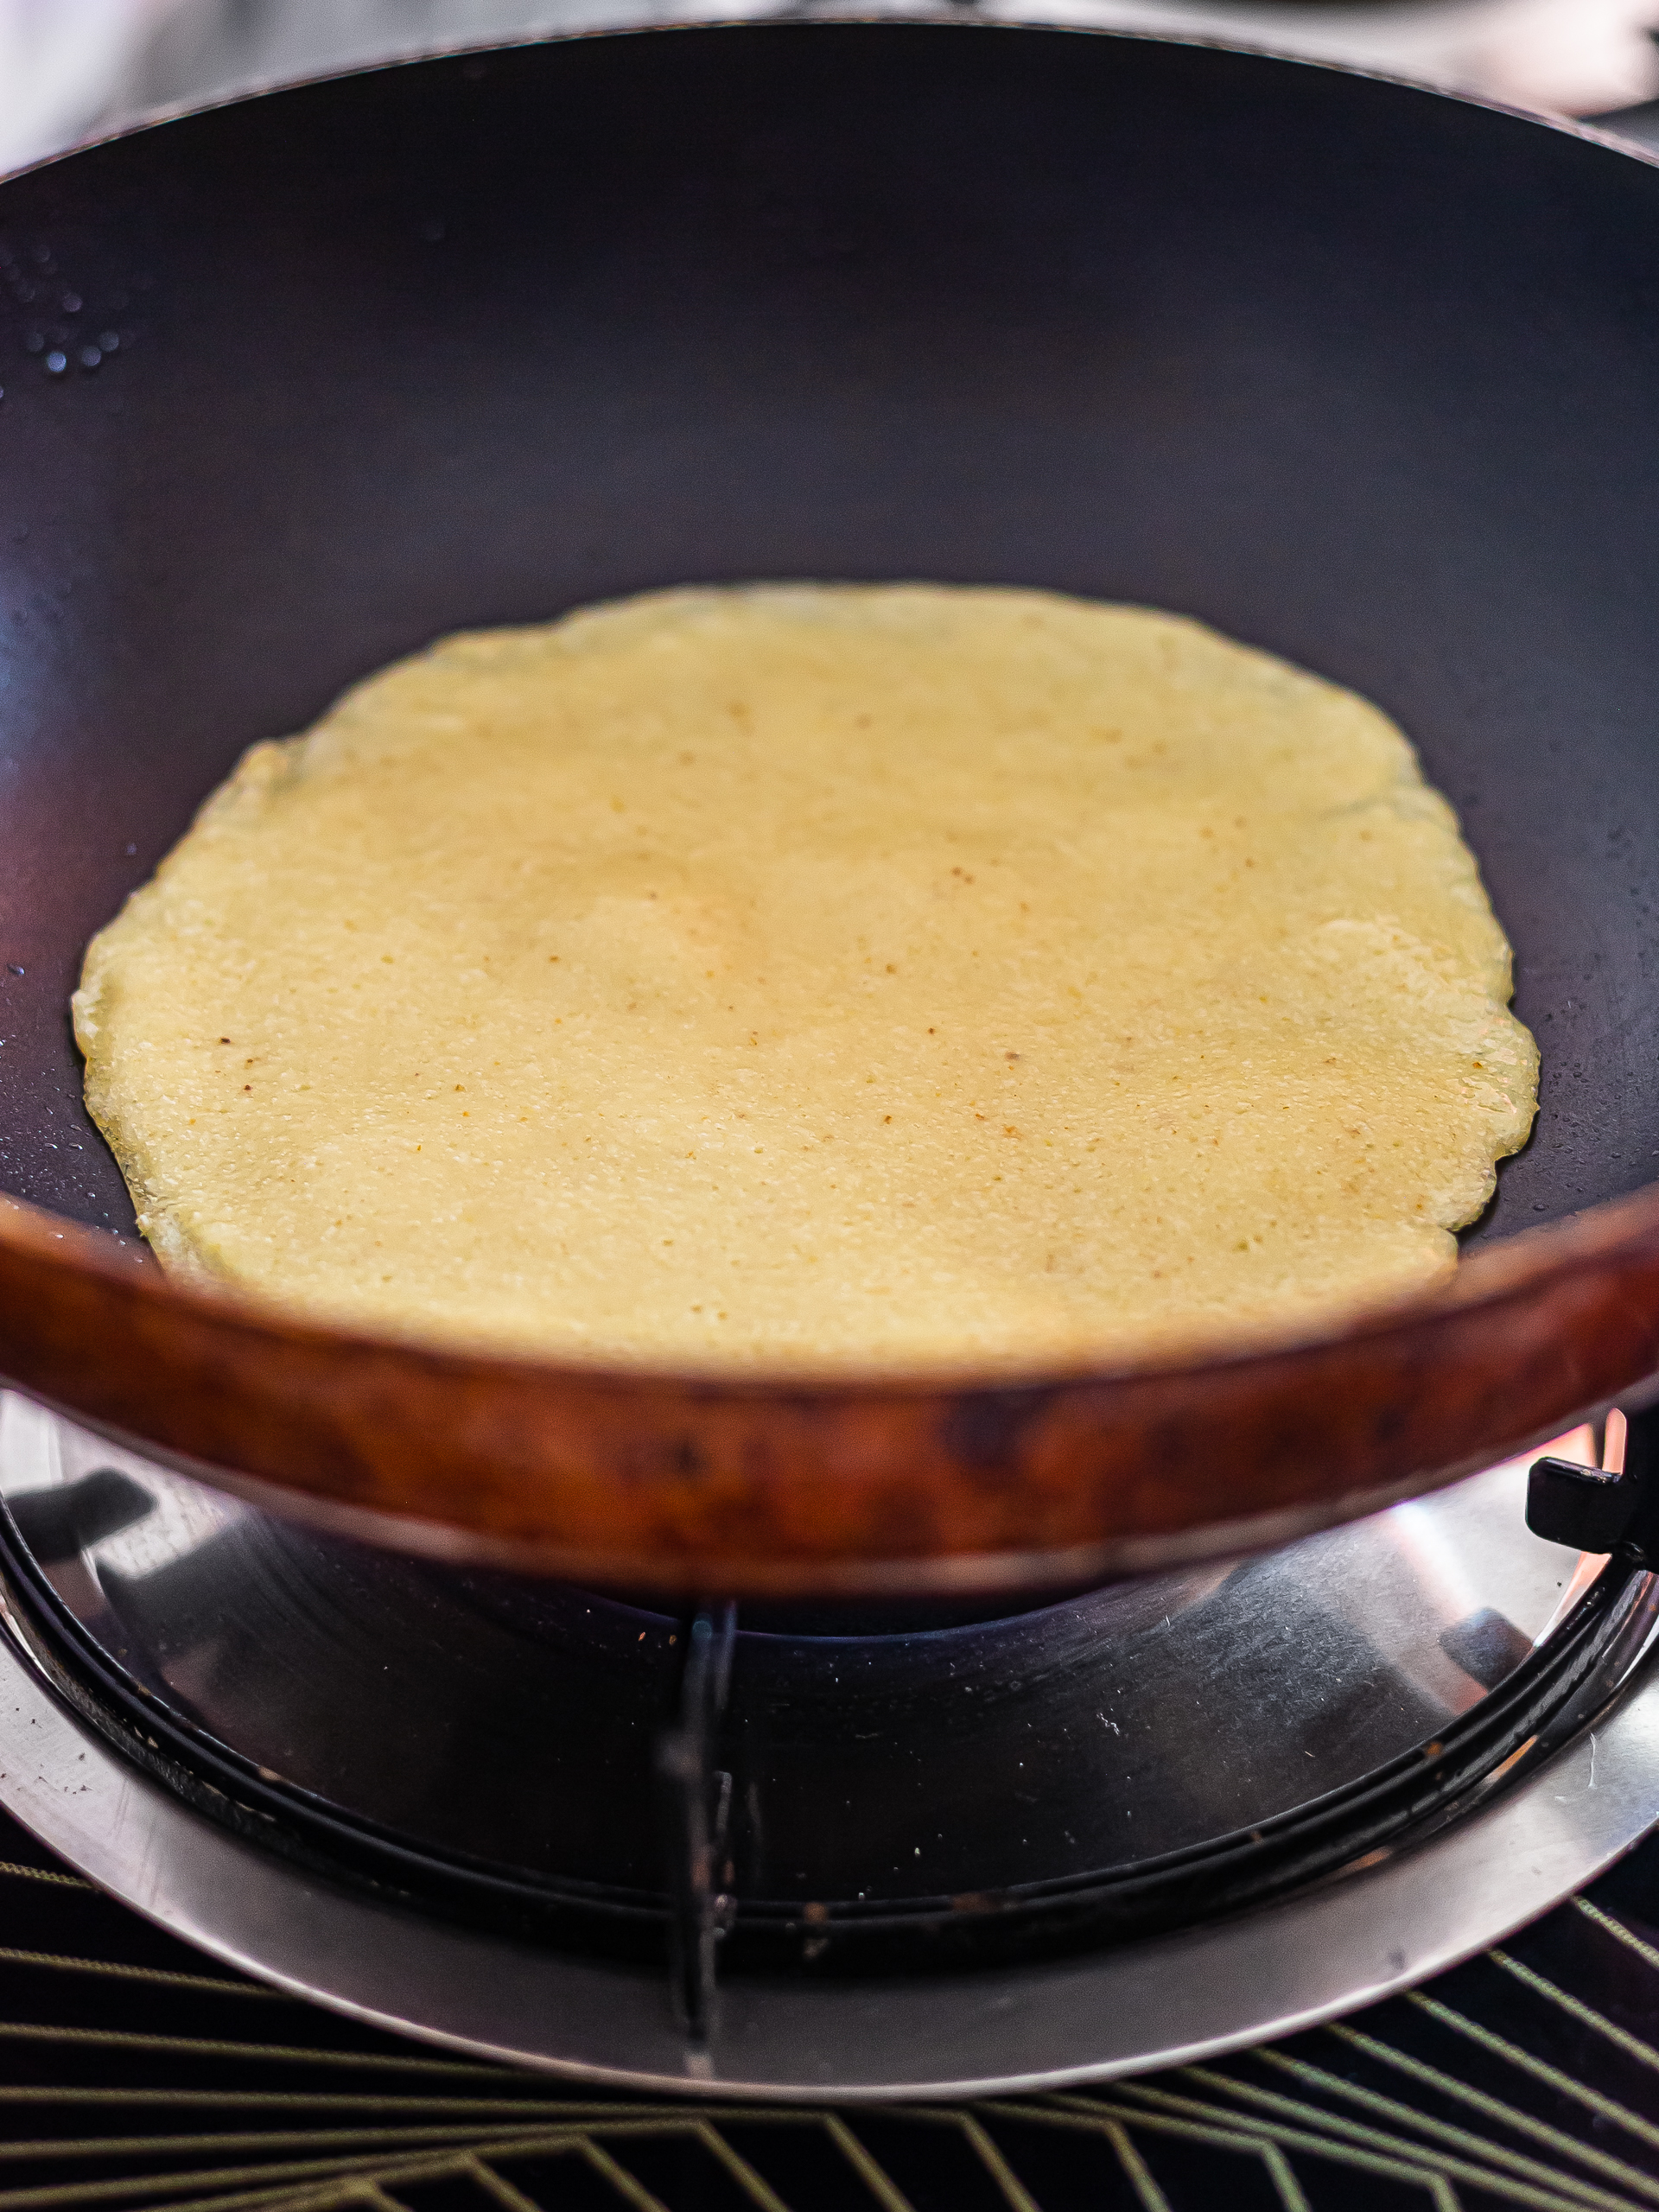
(1364, 375)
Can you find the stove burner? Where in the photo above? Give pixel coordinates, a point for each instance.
(840, 1795)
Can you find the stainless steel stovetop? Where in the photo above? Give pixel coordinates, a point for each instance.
(939, 1855)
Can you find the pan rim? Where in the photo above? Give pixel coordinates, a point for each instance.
(1508, 1270)
(848, 1487)
(820, 15)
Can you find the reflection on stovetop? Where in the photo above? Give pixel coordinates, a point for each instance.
(512, 1723)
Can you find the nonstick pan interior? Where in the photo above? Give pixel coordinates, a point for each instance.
(1360, 374)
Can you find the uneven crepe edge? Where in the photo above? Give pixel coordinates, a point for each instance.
(269, 764)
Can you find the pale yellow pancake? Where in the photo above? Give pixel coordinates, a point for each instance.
(822, 976)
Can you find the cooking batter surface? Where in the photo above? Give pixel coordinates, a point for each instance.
(817, 976)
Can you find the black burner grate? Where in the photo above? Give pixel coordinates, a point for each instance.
(132, 2074)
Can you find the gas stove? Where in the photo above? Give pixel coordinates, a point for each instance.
(849, 1852)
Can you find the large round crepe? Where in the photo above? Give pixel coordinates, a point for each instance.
(818, 976)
